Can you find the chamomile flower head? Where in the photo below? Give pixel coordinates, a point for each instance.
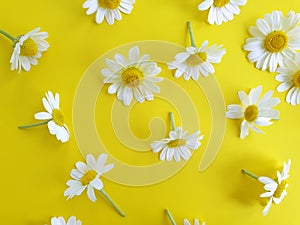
(61, 221)
(276, 38)
(289, 76)
(196, 61)
(196, 222)
(54, 116)
(221, 10)
(132, 78)
(254, 111)
(87, 176)
(275, 189)
(110, 9)
(28, 48)
(178, 145)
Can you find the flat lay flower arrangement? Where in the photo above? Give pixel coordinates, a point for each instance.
(271, 47)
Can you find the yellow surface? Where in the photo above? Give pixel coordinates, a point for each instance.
(35, 166)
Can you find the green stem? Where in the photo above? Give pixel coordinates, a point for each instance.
(250, 174)
(33, 125)
(112, 202)
(170, 217)
(191, 34)
(172, 120)
(8, 35)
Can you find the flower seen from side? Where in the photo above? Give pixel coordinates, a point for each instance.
(254, 111)
(61, 221)
(275, 40)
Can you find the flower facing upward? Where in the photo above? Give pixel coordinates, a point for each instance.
(254, 111)
(196, 222)
(178, 145)
(221, 10)
(87, 176)
(275, 40)
(196, 61)
(133, 78)
(289, 76)
(61, 221)
(110, 9)
(54, 115)
(276, 189)
(27, 49)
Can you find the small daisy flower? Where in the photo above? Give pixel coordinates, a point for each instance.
(275, 189)
(61, 221)
(87, 176)
(221, 10)
(110, 9)
(27, 49)
(275, 40)
(133, 77)
(253, 111)
(54, 118)
(196, 222)
(196, 61)
(289, 76)
(178, 145)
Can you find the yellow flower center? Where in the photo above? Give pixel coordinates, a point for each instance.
(29, 48)
(296, 79)
(131, 76)
(176, 143)
(196, 59)
(280, 189)
(251, 113)
(58, 117)
(220, 3)
(88, 177)
(276, 41)
(109, 4)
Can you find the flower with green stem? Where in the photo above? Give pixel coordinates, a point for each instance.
(195, 61)
(61, 221)
(178, 145)
(276, 189)
(27, 48)
(87, 176)
(54, 118)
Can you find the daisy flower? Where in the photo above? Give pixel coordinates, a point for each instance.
(110, 9)
(87, 176)
(54, 118)
(196, 61)
(275, 189)
(253, 111)
(289, 76)
(27, 49)
(196, 222)
(61, 221)
(221, 10)
(275, 40)
(133, 78)
(178, 145)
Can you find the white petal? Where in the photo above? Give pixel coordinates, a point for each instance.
(42, 116)
(267, 208)
(97, 183)
(205, 5)
(90, 160)
(254, 95)
(91, 193)
(244, 98)
(244, 130)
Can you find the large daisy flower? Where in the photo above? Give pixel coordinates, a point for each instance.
(289, 76)
(196, 222)
(110, 9)
(87, 176)
(275, 40)
(61, 221)
(132, 78)
(178, 145)
(27, 49)
(253, 111)
(54, 117)
(275, 189)
(196, 61)
(221, 10)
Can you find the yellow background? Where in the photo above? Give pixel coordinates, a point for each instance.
(35, 166)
